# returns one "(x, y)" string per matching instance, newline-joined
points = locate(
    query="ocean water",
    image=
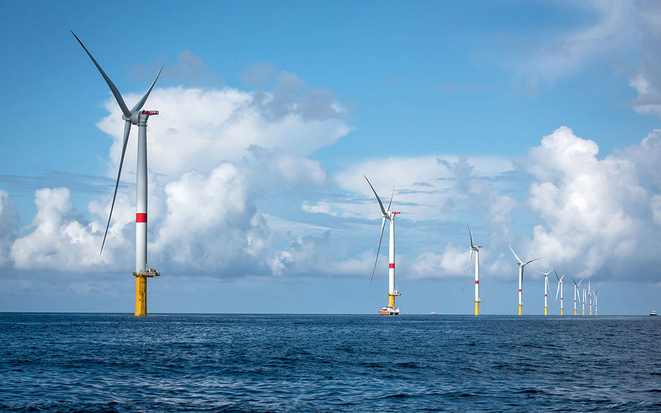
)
(328, 363)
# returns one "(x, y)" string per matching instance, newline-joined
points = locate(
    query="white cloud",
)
(61, 240)
(423, 185)
(313, 255)
(592, 211)
(8, 218)
(198, 128)
(612, 33)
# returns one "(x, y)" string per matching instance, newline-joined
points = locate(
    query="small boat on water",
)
(653, 313)
(389, 311)
(432, 313)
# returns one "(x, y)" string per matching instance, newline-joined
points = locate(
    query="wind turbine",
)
(392, 291)
(596, 311)
(476, 250)
(546, 290)
(135, 116)
(560, 290)
(576, 294)
(521, 265)
(590, 295)
(584, 301)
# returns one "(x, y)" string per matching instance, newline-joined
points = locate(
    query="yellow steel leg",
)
(583, 312)
(477, 308)
(391, 301)
(520, 312)
(546, 311)
(140, 296)
(562, 311)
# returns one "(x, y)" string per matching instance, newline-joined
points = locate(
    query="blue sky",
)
(533, 121)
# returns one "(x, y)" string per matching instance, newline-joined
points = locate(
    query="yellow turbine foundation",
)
(140, 296)
(477, 308)
(562, 311)
(391, 301)
(583, 312)
(546, 311)
(520, 307)
(574, 312)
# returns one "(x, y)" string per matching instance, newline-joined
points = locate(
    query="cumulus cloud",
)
(8, 219)
(313, 255)
(61, 239)
(593, 211)
(213, 154)
(287, 169)
(210, 222)
(198, 128)
(451, 263)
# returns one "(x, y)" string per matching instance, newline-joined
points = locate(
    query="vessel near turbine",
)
(139, 117)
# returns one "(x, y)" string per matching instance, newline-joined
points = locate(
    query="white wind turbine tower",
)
(596, 310)
(590, 295)
(521, 265)
(476, 250)
(584, 301)
(546, 290)
(392, 291)
(134, 116)
(576, 293)
(560, 291)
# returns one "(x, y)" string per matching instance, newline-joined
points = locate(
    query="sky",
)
(536, 123)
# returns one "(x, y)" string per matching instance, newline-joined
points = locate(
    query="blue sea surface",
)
(328, 363)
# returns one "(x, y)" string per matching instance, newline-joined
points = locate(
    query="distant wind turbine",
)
(590, 295)
(521, 265)
(392, 291)
(135, 116)
(584, 301)
(476, 250)
(546, 290)
(560, 290)
(576, 293)
(596, 310)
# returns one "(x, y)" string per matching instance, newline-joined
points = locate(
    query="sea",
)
(328, 363)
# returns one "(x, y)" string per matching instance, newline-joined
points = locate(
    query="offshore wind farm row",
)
(137, 116)
(391, 309)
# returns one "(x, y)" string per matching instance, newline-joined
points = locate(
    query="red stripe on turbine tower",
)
(141, 217)
(392, 265)
(477, 282)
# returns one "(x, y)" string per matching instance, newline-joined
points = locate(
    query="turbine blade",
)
(528, 262)
(517, 257)
(557, 292)
(470, 235)
(470, 259)
(127, 130)
(556, 274)
(142, 101)
(383, 226)
(113, 88)
(377, 198)
(579, 283)
(391, 195)
(572, 278)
